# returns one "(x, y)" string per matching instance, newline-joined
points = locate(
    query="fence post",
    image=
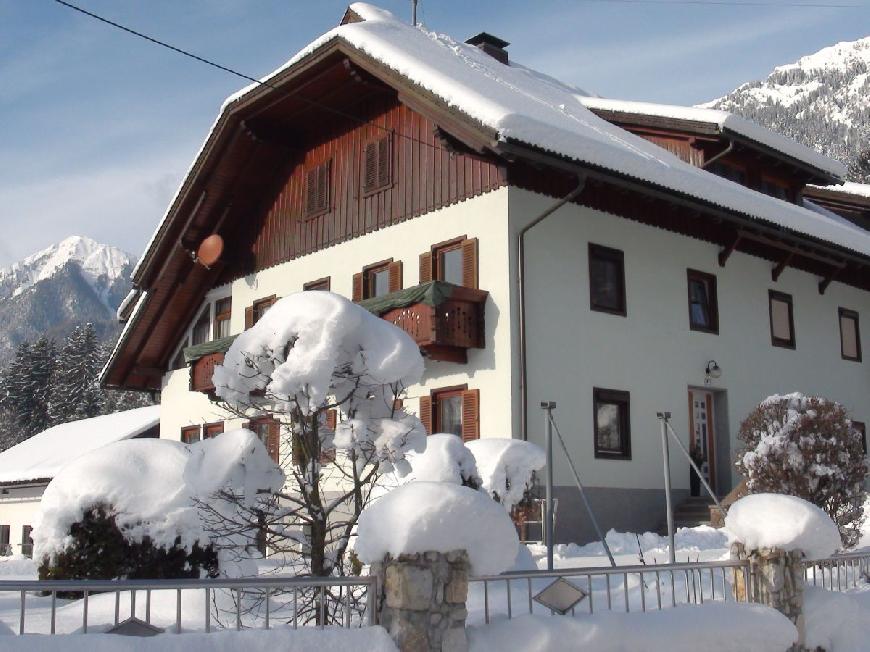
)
(422, 599)
(776, 579)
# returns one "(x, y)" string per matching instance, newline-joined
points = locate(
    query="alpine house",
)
(538, 246)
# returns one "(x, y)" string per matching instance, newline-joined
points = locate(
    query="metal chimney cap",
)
(485, 38)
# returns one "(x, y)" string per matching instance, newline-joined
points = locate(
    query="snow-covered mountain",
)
(821, 100)
(77, 280)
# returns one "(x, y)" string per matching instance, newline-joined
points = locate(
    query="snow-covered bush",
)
(329, 375)
(441, 517)
(806, 446)
(507, 467)
(139, 508)
(446, 459)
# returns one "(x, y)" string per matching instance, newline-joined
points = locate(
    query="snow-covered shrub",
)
(329, 376)
(507, 467)
(138, 508)
(806, 446)
(446, 459)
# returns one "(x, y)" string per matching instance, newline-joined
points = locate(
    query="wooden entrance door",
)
(701, 420)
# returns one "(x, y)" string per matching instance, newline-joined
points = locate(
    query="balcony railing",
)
(444, 319)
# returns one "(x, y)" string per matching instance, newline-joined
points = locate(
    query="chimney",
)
(492, 45)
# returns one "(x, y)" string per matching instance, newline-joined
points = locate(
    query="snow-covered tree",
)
(806, 446)
(327, 375)
(76, 391)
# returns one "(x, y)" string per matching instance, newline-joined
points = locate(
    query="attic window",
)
(377, 168)
(317, 190)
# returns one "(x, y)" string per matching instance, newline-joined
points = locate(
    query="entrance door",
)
(703, 437)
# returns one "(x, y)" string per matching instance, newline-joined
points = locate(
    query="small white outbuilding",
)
(27, 468)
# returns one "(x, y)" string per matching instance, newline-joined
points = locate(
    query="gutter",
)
(723, 153)
(521, 279)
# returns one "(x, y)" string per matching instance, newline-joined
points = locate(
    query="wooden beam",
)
(725, 253)
(780, 266)
(148, 372)
(825, 282)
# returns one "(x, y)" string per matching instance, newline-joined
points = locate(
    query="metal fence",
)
(338, 601)
(595, 589)
(839, 572)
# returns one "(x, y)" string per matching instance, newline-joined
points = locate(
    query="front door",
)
(703, 437)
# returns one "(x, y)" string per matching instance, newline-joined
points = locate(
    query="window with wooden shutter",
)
(454, 261)
(377, 164)
(470, 414)
(268, 431)
(425, 413)
(317, 189)
(377, 279)
(320, 284)
(223, 312)
(210, 430)
(255, 312)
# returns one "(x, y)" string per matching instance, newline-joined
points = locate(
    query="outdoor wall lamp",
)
(712, 371)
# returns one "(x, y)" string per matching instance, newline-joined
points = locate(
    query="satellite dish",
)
(210, 250)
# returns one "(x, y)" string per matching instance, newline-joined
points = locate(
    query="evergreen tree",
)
(76, 391)
(40, 377)
(859, 169)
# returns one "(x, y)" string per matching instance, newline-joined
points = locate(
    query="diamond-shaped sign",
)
(560, 596)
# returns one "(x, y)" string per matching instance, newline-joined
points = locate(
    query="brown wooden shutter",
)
(273, 440)
(323, 186)
(370, 170)
(311, 191)
(249, 317)
(298, 453)
(357, 286)
(470, 414)
(385, 156)
(327, 456)
(426, 267)
(469, 263)
(395, 270)
(425, 414)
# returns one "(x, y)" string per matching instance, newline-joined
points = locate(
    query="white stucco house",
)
(619, 259)
(28, 467)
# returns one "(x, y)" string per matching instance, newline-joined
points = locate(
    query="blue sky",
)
(97, 127)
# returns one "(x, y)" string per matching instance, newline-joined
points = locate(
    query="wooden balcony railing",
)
(445, 320)
(201, 372)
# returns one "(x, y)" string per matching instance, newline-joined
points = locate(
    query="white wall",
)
(484, 217)
(652, 352)
(19, 506)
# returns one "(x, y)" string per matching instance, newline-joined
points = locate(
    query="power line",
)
(734, 3)
(259, 82)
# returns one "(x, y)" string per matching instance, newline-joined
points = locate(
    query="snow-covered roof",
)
(861, 190)
(524, 106)
(724, 122)
(44, 454)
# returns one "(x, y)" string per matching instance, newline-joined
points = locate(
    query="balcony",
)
(202, 359)
(445, 320)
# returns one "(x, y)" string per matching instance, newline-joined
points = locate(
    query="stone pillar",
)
(422, 600)
(776, 580)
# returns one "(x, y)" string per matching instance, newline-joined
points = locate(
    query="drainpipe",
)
(724, 152)
(521, 277)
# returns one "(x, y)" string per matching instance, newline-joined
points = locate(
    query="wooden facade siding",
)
(424, 176)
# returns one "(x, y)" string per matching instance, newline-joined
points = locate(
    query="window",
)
(5, 541)
(317, 191)
(607, 280)
(190, 434)
(774, 189)
(178, 361)
(319, 284)
(860, 427)
(26, 541)
(377, 280)
(255, 312)
(781, 320)
(267, 430)
(612, 424)
(223, 311)
(850, 335)
(200, 331)
(703, 303)
(377, 168)
(729, 172)
(210, 430)
(454, 261)
(453, 410)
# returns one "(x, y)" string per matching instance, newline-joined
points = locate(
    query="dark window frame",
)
(622, 399)
(185, 439)
(442, 248)
(845, 313)
(601, 252)
(775, 295)
(712, 297)
(322, 284)
(261, 306)
(369, 270)
(206, 427)
(202, 322)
